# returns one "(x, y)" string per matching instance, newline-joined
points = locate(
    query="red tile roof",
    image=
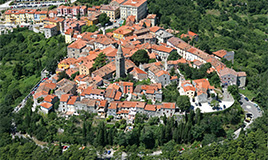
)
(220, 53)
(64, 97)
(49, 98)
(150, 107)
(46, 105)
(78, 44)
(72, 100)
(134, 3)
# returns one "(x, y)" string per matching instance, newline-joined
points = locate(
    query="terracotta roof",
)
(138, 71)
(132, 104)
(241, 74)
(72, 100)
(151, 16)
(50, 26)
(124, 30)
(103, 103)
(173, 78)
(135, 3)
(226, 71)
(49, 98)
(155, 29)
(109, 7)
(192, 33)
(119, 1)
(162, 48)
(220, 53)
(123, 112)
(188, 88)
(110, 93)
(78, 44)
(118, 96)
(113, 105)
(162, 72)
(167, 105)
(150, 107)
(64, 97)
(41, 12)
(46, 105)
(38, 94)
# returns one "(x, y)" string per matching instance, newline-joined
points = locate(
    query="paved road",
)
(250, 107)
(5, 5)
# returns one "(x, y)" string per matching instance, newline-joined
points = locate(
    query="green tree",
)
(140, 57)
(100, 61)
(174, 56)
(103, 19)
(183, 102)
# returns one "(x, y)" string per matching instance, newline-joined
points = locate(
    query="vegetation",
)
(23, 55)
(140, 57)
(100, 61)
(104, 19)
(174, 56)
(91, 28)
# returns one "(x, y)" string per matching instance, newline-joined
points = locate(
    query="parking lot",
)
(37, 4)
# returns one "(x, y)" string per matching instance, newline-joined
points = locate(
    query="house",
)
(86, 68)
(101, 42)
(50, 30)
(241, 81)
(92, 93)
(162, 51)
(70, 104)
(228, 76)
(63, 102)
(59, 22)
(187, 89)
(65, 87)
(126, 87)
(39, 16)
(68, 35)
(112, 108)
(52, 13)
(138, 8)
(86, 104)
(152, 92)
(191, 35)
(139, 74)
(75, 49)
(157, 75)
(46, 107)
(179, 44)
(112, 11)
(102, 108)
(203, 89)
(174, 79)
(224, 54)
(162, 36)
(83, 10)
(174, 64)
(152, 18)
(150, 110)
(197, 64)
(112, 94)
(166, 108)
(122, 32)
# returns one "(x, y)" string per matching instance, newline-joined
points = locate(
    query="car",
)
(224, 106)
(248, 117)
(199, 104)
(196, 104)
(246, 98)
(109, 152)
(219, 100)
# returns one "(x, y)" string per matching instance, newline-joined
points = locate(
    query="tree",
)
(103, 19)
(214, 103)
(51, 65)
(91, 28)
(63, 75)
(100, 61)
(233, 89)
(140, 57)
(174, 56)
(183, 102)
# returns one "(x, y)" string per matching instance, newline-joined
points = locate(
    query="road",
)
(250, 107)
(5, 5)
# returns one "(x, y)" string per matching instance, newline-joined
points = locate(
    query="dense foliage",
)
(140, 57)
(23, 55)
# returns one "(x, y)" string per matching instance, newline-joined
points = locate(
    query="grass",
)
(247, 93)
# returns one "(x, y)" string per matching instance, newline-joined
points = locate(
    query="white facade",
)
(128, 10)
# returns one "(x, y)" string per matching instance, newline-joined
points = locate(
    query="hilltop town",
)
(102, 75)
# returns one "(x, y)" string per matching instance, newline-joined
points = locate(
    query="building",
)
(123, 32)
(187, 89)
(139, 74)
(191, 35)
(241, 81)
(162, 36)
(85, 68)
(152, 18)
(224, 54)
(120, 63)
(50, 30)
(152, 92)
(228, 76)
(39, 16)
(162, 51)
(112, 11)
(75, 49)
(138, 8)
(59, 22)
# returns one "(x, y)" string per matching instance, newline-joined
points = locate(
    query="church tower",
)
(120, 63)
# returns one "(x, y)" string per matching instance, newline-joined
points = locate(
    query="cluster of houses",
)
(94, 89)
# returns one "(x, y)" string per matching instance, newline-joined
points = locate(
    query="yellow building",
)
(112, 11)
(68, 35)
(122, 32)
(8, 17)
(39, 16)
(85, 68)
(19, 16)
(30, 15)
(57, 21)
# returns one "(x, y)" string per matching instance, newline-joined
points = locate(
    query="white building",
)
(138, 8)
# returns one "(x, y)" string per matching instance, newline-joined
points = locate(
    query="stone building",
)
(138, 8)
(120, 63)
